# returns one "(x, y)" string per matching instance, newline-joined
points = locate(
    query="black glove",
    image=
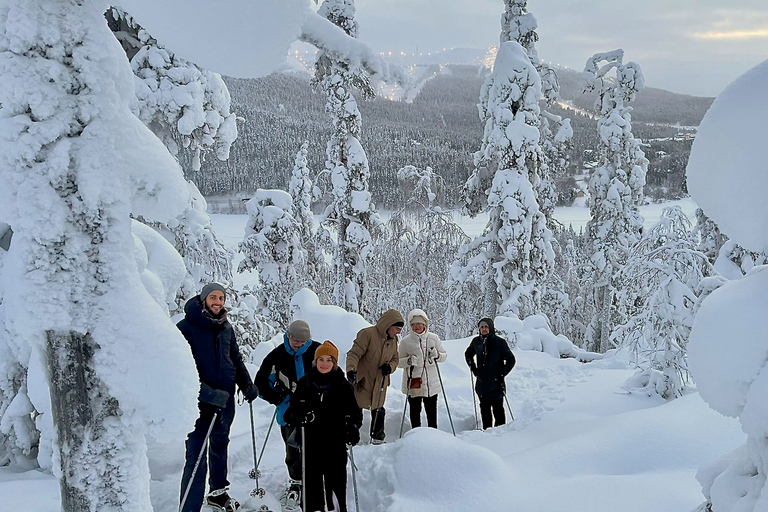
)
(385, 369)
(352, 376)
(502, 384)
(473, 369)
(215, 397)
(353, 434)
(251, 393)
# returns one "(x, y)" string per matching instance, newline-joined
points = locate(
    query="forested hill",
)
(440, 129)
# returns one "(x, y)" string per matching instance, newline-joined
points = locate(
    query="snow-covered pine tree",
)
(710, 238)
(185, 106)
(301, 189)
(74, 163)
(661, 279)
(272, 246)
(616, 187)
(351, 214)
(516, 244)
(411, 259)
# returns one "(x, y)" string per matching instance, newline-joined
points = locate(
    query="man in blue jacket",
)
(220, 367)
(276, 379)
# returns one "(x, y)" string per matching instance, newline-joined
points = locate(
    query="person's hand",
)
(411, 361)
(473, 369)
(352, 377)
(433, 354)
(385, 369)
(353, 434)
(503, 384)
(251, 393)
(215, 397)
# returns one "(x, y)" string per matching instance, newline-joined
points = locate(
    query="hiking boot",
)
(220, 501)
(377, 441)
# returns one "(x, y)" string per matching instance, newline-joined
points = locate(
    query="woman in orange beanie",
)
(324, 404)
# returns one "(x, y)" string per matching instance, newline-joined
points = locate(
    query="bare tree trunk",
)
(101, 459)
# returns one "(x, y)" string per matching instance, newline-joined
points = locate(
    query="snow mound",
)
(727, 175)
(432, 471)
(534, 333)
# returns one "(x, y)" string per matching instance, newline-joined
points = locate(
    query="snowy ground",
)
(578, 441)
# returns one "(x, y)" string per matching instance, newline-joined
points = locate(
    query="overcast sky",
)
(689, 46)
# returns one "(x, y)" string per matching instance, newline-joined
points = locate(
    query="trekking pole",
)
(354, 476)
(512, 416)
(303, 469)
(199, 458)
(445, 397)
(254, 473)
(405, 405)
(264, 446)
(474, 398)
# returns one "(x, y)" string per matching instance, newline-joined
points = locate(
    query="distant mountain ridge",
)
(440, 128)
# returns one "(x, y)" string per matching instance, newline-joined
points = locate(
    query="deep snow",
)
(578, 441)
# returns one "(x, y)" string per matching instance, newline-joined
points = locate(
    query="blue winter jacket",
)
(214, 349)
(280, 372)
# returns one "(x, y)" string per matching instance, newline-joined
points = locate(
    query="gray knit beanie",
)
(299, 330)
(211, 287)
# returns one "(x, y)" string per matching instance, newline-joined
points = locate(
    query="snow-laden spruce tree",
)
(301, 189)
(74, 163)
(710, 238)
(515, 248)
(411, 258)
(661, 283)
(517, 24)
(351, 214)
(616, 187)
(272, 246)
(185, 106)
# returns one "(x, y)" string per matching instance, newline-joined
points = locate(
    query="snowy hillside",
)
(578, 442)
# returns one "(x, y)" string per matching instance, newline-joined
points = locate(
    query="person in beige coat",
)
(420, 351)
(370, 361)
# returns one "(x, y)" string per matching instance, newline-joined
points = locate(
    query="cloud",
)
(732, 34)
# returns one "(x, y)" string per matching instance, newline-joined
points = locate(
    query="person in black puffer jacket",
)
(324, 404)
(220, 368)
(494, 361)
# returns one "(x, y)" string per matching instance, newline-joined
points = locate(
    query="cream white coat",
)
(415, 349)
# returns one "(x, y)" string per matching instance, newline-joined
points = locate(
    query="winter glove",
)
(385, 369)
(353, 434)
(411, 361)
(251, 393)
(215, 397)
(433, 355)
(503, 384)
(473, 369)
(352, 377)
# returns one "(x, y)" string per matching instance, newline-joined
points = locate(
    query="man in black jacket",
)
(220, 367)
(494, 361)
(277, 378)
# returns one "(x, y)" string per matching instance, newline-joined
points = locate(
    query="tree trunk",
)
(103, 461)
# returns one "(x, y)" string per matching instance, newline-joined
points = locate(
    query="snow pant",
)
(326, 475)
(490, 409)
(218, 445)
(430, 406)
(377, 423)
(292, 454)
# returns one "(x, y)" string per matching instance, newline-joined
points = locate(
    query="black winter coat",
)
(494, 361)
(331, 399)
(214, 348)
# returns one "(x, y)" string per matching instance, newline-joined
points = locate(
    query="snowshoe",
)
(261, 501)
(292, 495)
(220, 501)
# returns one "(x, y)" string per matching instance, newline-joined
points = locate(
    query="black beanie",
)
(211, 287)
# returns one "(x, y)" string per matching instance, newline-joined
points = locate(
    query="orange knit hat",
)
(327, 349)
